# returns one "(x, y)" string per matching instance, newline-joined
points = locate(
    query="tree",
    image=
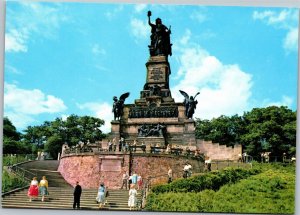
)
(11, 139)
(54, 145)
(223, 130)
(55, 133)
(9, 130)
(271, 129)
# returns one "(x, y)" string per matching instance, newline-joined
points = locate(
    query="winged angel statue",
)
(190, 104)
(119, 105)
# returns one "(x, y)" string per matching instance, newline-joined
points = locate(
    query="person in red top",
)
(33, 191)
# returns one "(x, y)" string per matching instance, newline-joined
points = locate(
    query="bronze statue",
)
(190, 104)
(160, 38)
(119, 105)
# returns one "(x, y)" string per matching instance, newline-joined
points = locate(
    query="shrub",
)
(213, 181)
(10, 182)
(270, 191)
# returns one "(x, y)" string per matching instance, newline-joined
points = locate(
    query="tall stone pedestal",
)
(156, 106)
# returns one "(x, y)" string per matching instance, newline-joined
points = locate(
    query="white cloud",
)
(11, 69)
(97, 50)
(185, 39)
(34, 19)
(20, 120)
(113, 13)
(139, 28)
(286, 19)
(199, 16)
(15, 41)
(22, 105)
(224, 89)
(100, 110)
(140, 7)
(291, 40)
(285, 101)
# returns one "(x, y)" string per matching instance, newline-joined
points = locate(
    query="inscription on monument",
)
(111, 165)
(156, 74)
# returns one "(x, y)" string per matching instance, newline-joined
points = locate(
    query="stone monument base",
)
(151, 141)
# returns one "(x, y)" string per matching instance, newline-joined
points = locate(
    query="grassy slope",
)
(272, 191)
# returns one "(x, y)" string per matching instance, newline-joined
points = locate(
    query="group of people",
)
(123, 146)
(133, 182)
(38, 188)
(100, 198)
(128, 180)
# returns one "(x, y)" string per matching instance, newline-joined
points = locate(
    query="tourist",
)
(157, 146)
(125, 178)
(42, 155)
(134, 178)
(114, 145)
(208, 164)
(109, 146)
(132, 200)
(293, 159)
(187, 170)
(244, 156)
(143, 147)
(33, 191)
(126, 147)
(134, 145)
(170, 175)
(77, 194)
(140, 182)
(130, 180)
(168, 150)
(43, 188)
(120, 145)
(101, 195)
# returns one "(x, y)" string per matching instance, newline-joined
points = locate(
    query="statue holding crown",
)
(160, 38)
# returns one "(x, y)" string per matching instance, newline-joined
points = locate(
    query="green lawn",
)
(270, 191)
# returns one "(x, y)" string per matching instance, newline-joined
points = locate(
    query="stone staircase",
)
(62, 198)
(61, 193)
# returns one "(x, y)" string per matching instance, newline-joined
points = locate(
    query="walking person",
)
(170, 175)
(134, 178)
(125, 178)
(77, 194)
(208, 163)
(33, 191)
(140, 182)
(132, 200)
(43, 188)
(101, 195)
(129, 181)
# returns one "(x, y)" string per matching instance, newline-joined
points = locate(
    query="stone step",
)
(62, 198)
(61, 193)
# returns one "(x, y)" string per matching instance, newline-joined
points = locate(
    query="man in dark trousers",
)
(77, 194)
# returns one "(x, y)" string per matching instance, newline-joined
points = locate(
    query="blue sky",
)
(72, 58)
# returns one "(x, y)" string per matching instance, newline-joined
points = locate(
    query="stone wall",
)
(93, 168)
(157, 166)
(219, 152)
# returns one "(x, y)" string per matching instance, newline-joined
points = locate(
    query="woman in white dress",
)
(132, 200)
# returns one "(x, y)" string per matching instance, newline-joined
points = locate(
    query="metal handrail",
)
(23, 172)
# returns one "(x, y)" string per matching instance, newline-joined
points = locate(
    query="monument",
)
(155, 123)
(155, 118)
